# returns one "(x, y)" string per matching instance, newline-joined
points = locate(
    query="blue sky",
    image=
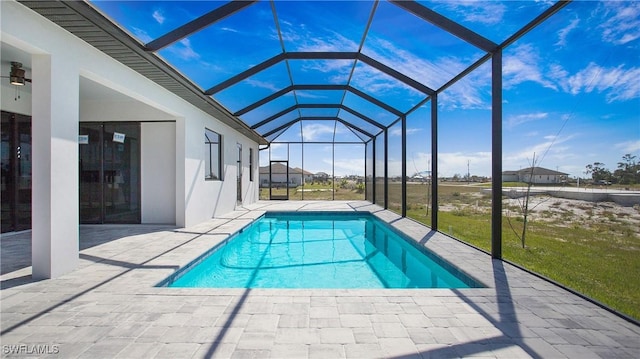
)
(571, 87)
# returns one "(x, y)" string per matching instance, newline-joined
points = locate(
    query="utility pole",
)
(468, 173)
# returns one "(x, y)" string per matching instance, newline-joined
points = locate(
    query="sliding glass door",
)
(110, 172)
(16, 172)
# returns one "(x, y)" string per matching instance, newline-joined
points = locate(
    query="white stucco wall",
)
(158, 172)
(196, 199)
(59, 59)
(542, 179)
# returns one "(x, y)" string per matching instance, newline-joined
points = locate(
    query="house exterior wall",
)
(294, 178)
(157, 150)
(510, 178)
(542, 179)
(158, 172)
(59, 59)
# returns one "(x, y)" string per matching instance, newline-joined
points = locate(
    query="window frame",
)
(251, 159)
(209, 160)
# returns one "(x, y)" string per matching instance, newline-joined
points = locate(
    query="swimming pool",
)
(319, 250)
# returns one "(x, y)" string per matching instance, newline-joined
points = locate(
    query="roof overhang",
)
(90, 25)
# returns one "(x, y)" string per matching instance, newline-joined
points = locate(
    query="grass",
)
(600, 260)
(315, 192)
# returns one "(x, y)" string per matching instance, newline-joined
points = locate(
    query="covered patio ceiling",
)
(282, 67)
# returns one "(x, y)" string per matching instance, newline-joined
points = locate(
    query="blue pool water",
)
(319, 250)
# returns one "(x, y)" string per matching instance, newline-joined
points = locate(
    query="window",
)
(213, 155)
(251, 164)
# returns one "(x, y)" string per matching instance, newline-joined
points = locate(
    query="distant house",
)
(279, 174)
(511, 176)
(540, 175)
(306, 175)
(321, 177)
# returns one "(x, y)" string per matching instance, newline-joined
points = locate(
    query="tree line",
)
(628, 171)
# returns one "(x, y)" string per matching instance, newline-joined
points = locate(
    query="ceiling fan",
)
(16, 76)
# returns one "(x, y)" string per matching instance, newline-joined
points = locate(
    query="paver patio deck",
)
(109, 306)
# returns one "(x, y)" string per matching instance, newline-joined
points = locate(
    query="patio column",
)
(496, 154)
(55, 208)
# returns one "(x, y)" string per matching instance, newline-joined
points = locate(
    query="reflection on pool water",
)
(319, 250)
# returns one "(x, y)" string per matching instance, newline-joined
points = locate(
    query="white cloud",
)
(629, 146)
(376, 82)
(349, 166)
(307, 94)
(451, 163)
(142, 35)
(332, 43)
(620, 84)
(276, 151)
(483, 12)
(313, 131)
(524, 63)
(298, 38)
(467, 93)
(397, 131)
(422, 70)
(513, 121)
(261, 84)
(471, 92)
(228, 29)
(183, 50)
(550, 148)
(340, 69)
(557, 73)
(563, 33)
(623, 21)
(521, 64)
(158, 16)
(488, 13)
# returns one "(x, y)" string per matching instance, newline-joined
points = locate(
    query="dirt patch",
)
(557, 211)
(569, 213)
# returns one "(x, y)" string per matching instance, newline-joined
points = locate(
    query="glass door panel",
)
(121, 173)
(110, 172)
(8, 187)
(90, 172)
(23, 172)
(16, 172)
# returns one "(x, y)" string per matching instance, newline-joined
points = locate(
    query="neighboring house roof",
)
(300, 170)
(278, 168)
(537, 171)
(322, 174)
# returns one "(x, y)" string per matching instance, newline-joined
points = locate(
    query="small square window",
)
(212, 155)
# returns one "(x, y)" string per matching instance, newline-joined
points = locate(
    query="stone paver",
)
(111, 306)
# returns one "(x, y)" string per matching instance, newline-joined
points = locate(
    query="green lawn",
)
(601, 265)
(316, 191)
(601, 261)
